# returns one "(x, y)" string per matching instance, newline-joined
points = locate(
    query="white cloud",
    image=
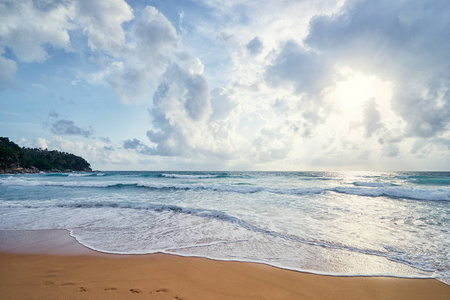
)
(180, 109)
(102, 20)
(27, 26)
(136, 67)
(41, 143)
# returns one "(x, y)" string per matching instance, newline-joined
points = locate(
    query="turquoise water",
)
(338, 223)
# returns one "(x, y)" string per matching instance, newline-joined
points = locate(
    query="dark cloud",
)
(255, 46)
(224, 37)
(53, 114)
(138, 146)
(154, 31)
(306, 71)
(67, 127)
(391, 150)
(105, 139)
(372, 118)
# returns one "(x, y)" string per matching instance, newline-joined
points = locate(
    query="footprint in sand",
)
(110, 289)
(163, 290)
(135, 291)
(82, 289)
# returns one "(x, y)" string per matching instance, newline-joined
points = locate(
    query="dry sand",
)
(51, 265)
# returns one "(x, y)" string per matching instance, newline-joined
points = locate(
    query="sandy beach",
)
(52, 265)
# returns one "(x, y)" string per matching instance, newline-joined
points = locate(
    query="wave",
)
(74, 174)
(371, 184)
(431, 181)
(189, 176)
(56, 174)
(398, 192)
(79, 175)
(368, 189)
(224, 217)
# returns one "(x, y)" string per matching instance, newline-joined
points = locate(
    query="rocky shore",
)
(34, 170)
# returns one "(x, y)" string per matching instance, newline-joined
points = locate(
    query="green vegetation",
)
(14, 159)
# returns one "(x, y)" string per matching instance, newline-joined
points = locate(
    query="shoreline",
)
(50, 264)
(62, 242)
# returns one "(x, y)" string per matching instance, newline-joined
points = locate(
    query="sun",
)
(354, 89)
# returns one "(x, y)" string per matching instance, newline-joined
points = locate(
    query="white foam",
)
(187, 176)
(18, 181)
(79, 174)
(371, 184)
(442, 194)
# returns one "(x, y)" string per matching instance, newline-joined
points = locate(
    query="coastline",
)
(49, 264)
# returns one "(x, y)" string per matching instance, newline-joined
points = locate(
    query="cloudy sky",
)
(229, 84)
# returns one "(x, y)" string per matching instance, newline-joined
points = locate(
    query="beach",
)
(49, 264)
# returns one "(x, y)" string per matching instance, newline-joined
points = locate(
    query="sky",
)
(229, 84)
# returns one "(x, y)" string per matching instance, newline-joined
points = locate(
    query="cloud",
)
(275, 143)
(102, 20)
(391, 150)
(405, 42)
(25, 34)
(67, 127)
(138, 146)
(53, 114)
(154, 32)
(39, 142)
(180, 108)
(304, 70)
(32, 29)
(372, 118)
(105, 140)
(255, 46)
(136, 69)
(97, 153)
(221, 104)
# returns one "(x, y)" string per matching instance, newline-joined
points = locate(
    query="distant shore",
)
(20, 160)
(49, 264)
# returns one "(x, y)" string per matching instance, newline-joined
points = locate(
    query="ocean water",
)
(336, 223)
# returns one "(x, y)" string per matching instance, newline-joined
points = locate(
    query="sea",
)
(334, 223)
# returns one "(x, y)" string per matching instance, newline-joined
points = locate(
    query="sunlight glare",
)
(351, 93)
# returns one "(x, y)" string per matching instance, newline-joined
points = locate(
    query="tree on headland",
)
(15, 159)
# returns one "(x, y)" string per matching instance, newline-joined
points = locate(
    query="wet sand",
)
(52, 265)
